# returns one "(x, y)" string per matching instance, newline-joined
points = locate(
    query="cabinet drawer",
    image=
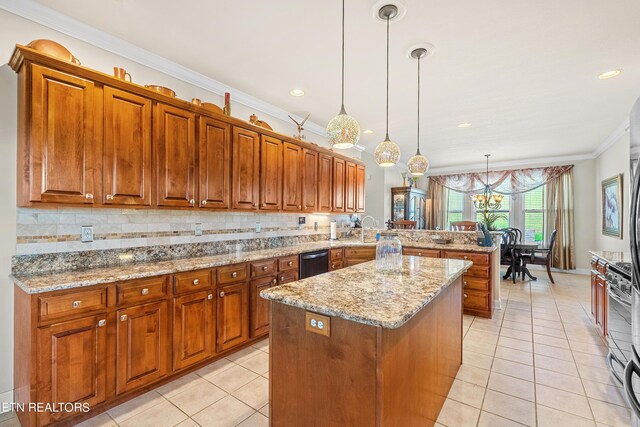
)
(287, 276)
(263, 268)
(476, 300)
(601, 268)
(431, 253)
(475, 258)
(191, 281)
(288, 263)
(141, 290)
(475, 283)
(478, 271)
(335, 265)
(336, 254)
(232, 273)
(57, 306)
(364, 252)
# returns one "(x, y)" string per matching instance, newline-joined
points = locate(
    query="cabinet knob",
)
(305, 206)
(255, 205)
(263, 204)
(333, 266)
(265, 268)
(76, 304)
(282, 278)
(234, 274)
(221, 294)
(465, 295)
(274, 281)
(109, 196)
(465, 283)
(102, 322)
(290, 263)
(419, 253)
(203, 203)
(210, 297)
(299, 207)
(123, 317)
(88, 196)
(192, 202)
(145, 291)
(466, 257)
(196, 282)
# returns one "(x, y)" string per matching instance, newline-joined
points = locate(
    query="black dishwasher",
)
(313, 263)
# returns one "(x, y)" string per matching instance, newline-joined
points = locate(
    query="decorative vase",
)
(227, 104)
(389, 253)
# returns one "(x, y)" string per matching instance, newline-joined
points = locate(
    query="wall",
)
(613, 161)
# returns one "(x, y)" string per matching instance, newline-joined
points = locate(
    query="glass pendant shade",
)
(343, 131)
(387, 153)
(418, 165)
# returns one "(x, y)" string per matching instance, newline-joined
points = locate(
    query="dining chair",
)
(509, 256)
(543, 256)
(515, 230)
(404, 224)
(464, 226)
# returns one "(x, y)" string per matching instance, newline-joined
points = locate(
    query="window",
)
(455, 207)
(504, 219)
(534, 213)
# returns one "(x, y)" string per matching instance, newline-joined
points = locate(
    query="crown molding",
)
(612, 138)
(475, 167)
(64, 24)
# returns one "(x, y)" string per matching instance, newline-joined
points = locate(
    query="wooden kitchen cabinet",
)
(309, 180)
(142, 335)
(350, 187)
(193, 328)
(325, 182)
(175, 143)
(292, 184)
(72, 364)
(260, 307)
(127, 149)
(360, 182)
(60, 131)
(232, 316)
(245, 169)
(599, 294)
(476, 281)
(339, 170)
(270, 173)
(358, 255)
(594, 295)
(214, 164)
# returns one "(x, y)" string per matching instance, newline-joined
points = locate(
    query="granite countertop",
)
(612, 257)
(34, 284)
(360, 294)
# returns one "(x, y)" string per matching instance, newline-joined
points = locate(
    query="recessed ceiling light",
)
(296, 92)
(610, 74)
(464, 125)
(368, 132)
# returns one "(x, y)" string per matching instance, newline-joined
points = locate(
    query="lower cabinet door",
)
(72, 364)
(594, 296)
(193, 328)
(260, 307)
(232, 315)
(142, 345)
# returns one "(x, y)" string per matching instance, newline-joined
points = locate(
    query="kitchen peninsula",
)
(355, 347)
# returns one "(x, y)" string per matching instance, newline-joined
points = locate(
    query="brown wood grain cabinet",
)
(245, 169)
(61, 134)
(142, 337)
(361, 177)
(232, 315)
(127, 176)
(260, 307)
(478, 292)
(310, 182)
(193, 328)
(270, 173)
(350, 187)
(214, 164)
(175, 145)
(325, 182)
(339, 170)
(292, 184)
(599, 294)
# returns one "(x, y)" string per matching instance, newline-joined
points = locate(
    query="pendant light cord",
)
(342, 111)
(418, 150)
(387, 138)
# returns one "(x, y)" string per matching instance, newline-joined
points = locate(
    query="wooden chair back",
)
(464, 226)
(404, 224)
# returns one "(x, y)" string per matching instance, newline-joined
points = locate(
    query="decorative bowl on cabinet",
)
(54, 49)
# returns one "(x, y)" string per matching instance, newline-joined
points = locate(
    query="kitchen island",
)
(358, 348)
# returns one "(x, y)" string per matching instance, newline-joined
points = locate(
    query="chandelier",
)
(487, 200)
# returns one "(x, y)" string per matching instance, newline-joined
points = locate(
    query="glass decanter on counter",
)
(389, 253)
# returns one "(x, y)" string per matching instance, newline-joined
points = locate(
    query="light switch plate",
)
(86, 233)
(317, 323)
(198, 229)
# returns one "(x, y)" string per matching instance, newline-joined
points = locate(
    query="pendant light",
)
(343, 130)
(387, 152)
(418, 164)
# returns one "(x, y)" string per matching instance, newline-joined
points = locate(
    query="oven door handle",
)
(629, 370)
(613, 294)
(610, 359)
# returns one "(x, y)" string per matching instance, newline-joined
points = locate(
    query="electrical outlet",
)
(198, 229)
(258, 227)
(315, 226)
(318, 323)
(302, 220)
(86, 233)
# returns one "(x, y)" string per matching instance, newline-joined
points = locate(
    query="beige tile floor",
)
(539, 361)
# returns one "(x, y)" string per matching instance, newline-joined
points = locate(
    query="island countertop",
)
(360, 294)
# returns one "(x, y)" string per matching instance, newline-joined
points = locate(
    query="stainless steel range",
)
(619, 302)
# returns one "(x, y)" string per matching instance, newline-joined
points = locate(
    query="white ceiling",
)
(522, 72)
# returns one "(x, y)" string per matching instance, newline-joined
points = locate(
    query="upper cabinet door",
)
(127, 149)
(175, 156)
(292, 185)
(339, 167)
(309, 180)
(215, 164)
(270, 173)
(245, 172)
(360, 180)
(325, 180)
(350, 188)
(63, 132)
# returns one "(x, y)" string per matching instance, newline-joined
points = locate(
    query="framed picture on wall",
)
(612, 206)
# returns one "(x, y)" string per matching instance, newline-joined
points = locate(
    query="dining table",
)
(523, 250)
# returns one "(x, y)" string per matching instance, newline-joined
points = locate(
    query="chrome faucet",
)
(375, 224)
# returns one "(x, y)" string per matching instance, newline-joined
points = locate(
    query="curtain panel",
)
(559, 216)
(438, 209)
(504, 182)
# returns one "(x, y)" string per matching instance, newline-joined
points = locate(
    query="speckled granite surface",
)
(360, 294)
(37, 283)
(612, 257)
